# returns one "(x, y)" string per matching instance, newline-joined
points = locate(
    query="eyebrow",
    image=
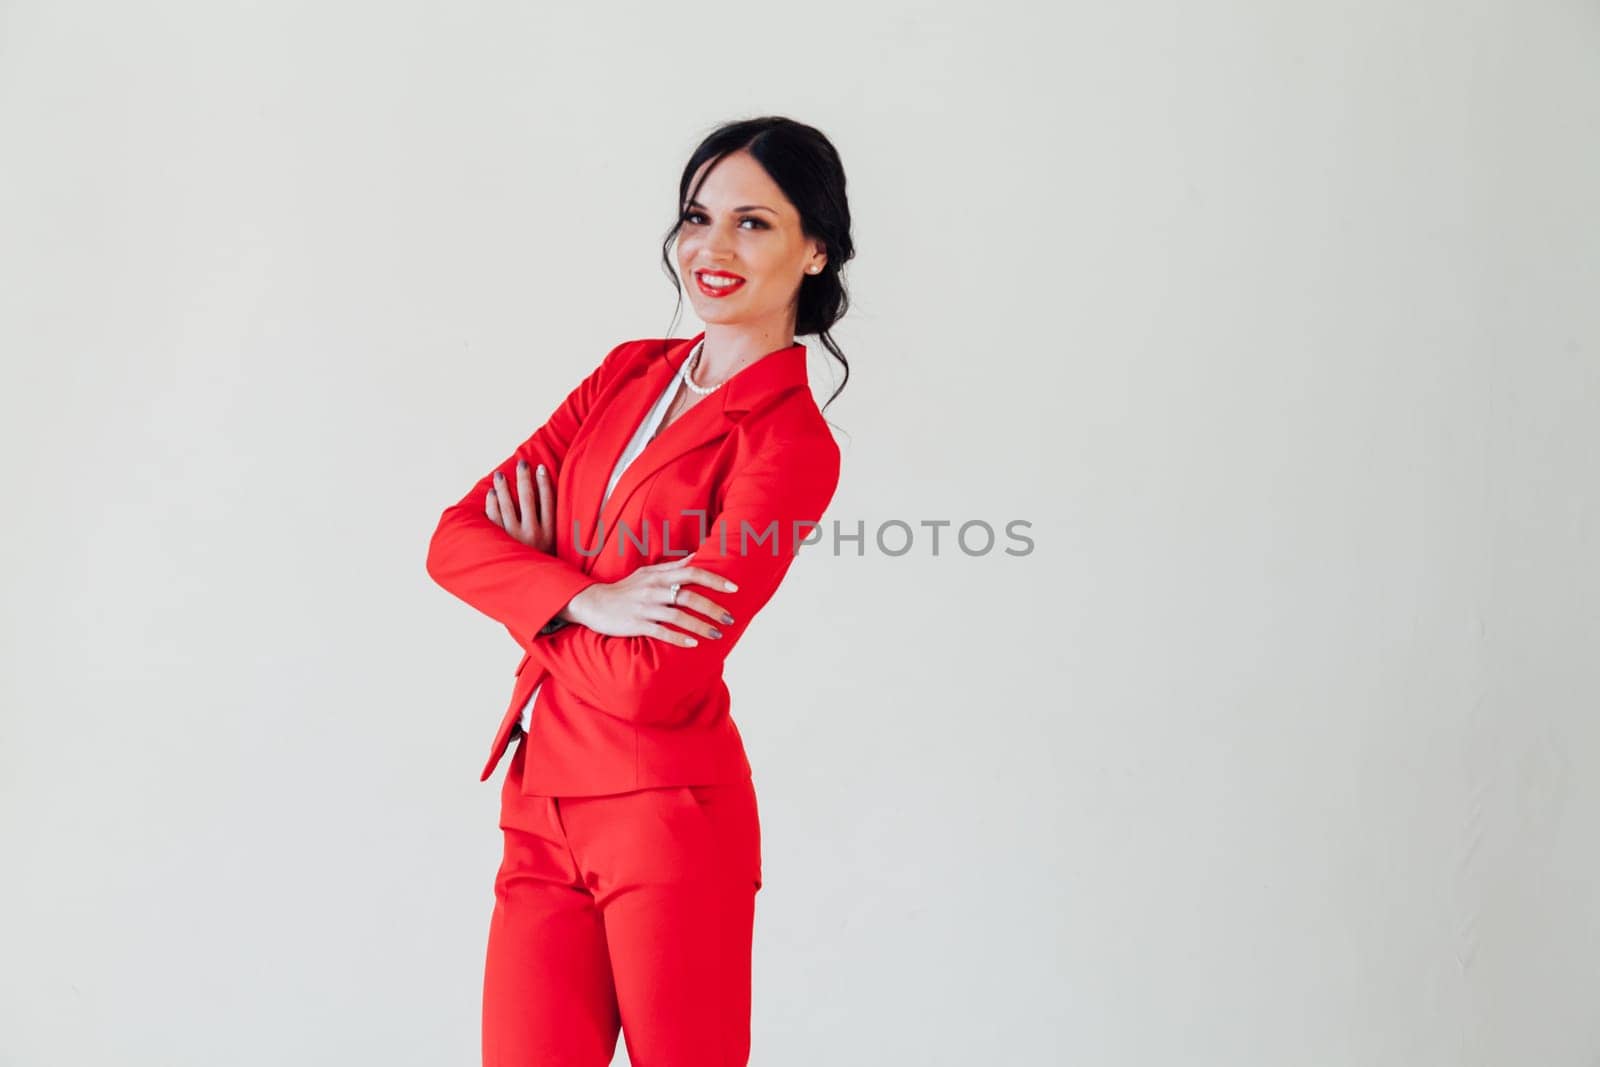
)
(745, 207)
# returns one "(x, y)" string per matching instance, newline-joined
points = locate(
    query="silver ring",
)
(674, 598)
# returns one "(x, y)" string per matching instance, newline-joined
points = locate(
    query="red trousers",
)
(631, 910)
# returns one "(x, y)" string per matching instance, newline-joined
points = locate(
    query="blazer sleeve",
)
(778, 496)
(475, 559)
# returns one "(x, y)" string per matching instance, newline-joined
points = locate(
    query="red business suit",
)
(632, 784)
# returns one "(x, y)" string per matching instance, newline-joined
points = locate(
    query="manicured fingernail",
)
(499, 477)
(729, 586)
(692, 641)
(715, 632)
(726, 617)
(541, 470)
(522, 464)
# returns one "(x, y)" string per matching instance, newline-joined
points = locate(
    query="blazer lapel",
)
(766, 379)
(613, 427)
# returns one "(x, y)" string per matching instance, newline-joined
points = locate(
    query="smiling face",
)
(741, 251)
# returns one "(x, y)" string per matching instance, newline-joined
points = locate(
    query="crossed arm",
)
(770, 505)
(474, 558)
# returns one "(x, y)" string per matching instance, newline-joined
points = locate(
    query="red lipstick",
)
(734, 282)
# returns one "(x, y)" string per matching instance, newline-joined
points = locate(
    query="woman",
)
(625, 546)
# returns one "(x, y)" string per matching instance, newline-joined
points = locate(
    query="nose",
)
(719, 243)
(718, 249)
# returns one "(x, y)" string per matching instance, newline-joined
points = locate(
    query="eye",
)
(696, 218)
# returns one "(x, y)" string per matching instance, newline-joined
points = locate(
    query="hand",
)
(640, 603)
(532, 520)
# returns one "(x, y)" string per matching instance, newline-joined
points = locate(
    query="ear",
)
(819, 256)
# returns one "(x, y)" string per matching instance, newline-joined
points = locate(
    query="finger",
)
(525, 497)
(665, 613)
(701, 576)
(704, 605)
(547, 505)
(671, 636)
(491, 507)
(694, 624)
(508, 511)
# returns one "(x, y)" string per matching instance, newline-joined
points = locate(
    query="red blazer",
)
(621, 713)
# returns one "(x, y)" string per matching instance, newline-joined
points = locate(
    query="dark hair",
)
(805, 165)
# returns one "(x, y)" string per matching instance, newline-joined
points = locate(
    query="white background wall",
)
(1275, 320)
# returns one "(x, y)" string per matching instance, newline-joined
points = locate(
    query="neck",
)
(729, 348)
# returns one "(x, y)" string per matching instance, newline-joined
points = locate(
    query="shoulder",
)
(624, 360)
(788, 441)
(792, 422)
(637, 352)
(643, 350)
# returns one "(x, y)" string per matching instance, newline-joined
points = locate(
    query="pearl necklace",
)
(688, 375)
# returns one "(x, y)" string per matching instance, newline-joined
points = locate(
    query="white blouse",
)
(641, 437)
